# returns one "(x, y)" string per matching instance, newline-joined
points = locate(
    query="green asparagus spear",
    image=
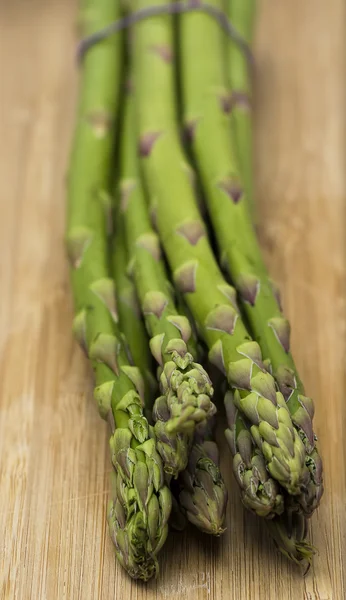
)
(130, 318)
(196, 273)
(203, 493)
(203, 92)
(141, 502)
(242, 16)
(289, 532)
(259, 492)
(136, 336)
(287, 525)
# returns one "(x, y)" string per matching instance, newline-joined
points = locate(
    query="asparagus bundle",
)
(141, 504)
(195, 270)
(275, 458)
(214, 149)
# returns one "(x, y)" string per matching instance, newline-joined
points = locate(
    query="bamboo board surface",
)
(54, 469)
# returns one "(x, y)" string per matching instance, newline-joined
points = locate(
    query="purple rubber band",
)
(173, 8)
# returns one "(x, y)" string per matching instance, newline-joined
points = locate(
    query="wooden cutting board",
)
(54, 469)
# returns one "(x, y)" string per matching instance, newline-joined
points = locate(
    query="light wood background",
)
(54, 467)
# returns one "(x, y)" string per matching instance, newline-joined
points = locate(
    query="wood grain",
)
(54, 472)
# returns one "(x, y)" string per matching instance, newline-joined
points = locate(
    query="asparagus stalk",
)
(204, 91)
(130, 318)
(196, 346)
(137, 337)
(131, 325)
(286, 523)
(242, 16)
(186, 387)
(196, 273)
(203, 494)
(141, 503)
(289, 532)
(259, 493)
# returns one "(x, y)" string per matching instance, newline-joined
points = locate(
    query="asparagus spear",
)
(289, 532)
(203, 494)
(200, 495)
(196, 273)
(242, 16)
(141, 503)
(203, 94)
(259, 493)
(130, 318)
(286, 523)
(131, 325)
